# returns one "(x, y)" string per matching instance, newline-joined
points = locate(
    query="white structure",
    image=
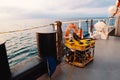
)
(101, 31)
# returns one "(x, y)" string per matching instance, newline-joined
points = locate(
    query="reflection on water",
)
(22, 45)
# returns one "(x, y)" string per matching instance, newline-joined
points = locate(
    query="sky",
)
(32, 9)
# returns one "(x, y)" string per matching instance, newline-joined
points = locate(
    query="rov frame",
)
(79, 52)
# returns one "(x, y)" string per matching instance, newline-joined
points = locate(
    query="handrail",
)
(66, 22)
(23, 29)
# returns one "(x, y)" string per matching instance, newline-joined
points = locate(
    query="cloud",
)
(53, 8)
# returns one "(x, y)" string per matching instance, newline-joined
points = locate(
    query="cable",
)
(23, 29)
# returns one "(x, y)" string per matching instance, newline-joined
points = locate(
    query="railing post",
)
(91, 25)
(53, 26)
(5, 73)
(87, 24)
(60, 52)
(117, 26)
(80, 31)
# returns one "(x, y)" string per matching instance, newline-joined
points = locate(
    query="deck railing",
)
(86, 24)
(106, 20)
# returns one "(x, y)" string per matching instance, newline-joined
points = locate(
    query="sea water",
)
(22, 45)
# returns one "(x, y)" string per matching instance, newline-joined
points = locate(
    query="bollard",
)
(5, 73)
(46, 43)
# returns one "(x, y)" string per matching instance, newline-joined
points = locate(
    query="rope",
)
(23, 29)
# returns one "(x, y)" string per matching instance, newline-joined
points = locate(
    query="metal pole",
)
(60, 52)
(80, 30)
(117, 26)
(87, 24)
(91, 26)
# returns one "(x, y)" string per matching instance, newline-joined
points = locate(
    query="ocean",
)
(22, 45)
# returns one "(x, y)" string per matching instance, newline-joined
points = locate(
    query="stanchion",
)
(59, 40)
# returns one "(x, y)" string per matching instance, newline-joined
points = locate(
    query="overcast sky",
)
(21, 9)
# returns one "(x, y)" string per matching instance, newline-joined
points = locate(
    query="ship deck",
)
(105, 66)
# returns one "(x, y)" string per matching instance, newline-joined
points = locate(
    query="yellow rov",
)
(79, 52)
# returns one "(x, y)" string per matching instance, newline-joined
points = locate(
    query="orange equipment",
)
(71, 26)
(81, 33)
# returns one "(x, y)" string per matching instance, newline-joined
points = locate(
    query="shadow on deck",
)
(112, 33)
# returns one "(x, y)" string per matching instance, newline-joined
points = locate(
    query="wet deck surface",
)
(105, 66)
